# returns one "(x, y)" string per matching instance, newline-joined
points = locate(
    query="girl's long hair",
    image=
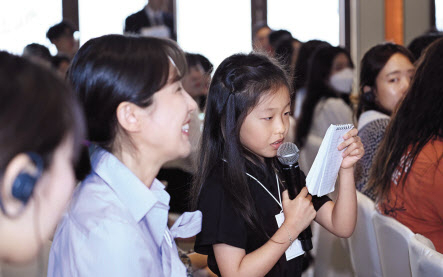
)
(317, 87)
(236, 88)
(418, 119)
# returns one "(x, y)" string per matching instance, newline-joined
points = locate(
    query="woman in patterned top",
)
(386, 70)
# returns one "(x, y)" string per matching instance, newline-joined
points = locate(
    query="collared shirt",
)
(116, 226)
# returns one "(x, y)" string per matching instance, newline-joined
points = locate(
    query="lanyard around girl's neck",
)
(278, 187)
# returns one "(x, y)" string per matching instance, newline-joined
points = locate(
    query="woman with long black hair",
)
(407, 172)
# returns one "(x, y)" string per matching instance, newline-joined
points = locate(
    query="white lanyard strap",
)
(278, 187)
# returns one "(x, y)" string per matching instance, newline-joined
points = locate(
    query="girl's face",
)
(393, 81)
(266, 126)
(167, 122)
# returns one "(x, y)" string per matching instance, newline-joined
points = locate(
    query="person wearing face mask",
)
(386, 71)
(329, 82)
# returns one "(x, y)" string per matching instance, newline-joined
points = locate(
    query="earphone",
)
(369, 96)
(24, 183)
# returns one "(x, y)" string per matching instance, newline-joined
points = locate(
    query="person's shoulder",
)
(335, 102)
(433, 150)
(94, 204)
(136, 15)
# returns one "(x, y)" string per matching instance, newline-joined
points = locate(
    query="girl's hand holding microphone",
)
(299, 212)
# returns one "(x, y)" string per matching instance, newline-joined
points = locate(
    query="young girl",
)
(247, 119)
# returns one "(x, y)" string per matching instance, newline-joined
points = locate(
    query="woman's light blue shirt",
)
(116, 226)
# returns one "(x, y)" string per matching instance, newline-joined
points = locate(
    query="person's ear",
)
(369, 94)
(128, 116)
(18, 180)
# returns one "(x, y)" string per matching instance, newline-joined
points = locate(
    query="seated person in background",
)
(37, 154)
(137, 114)
(60, 65)
(329, 77)
(419, 44)
(307, 49)
(38, 54)
(62, 36)
(407, 171)
(275, 37)
(260, 40)
(386, 71)
(152, 20)
(287, 53)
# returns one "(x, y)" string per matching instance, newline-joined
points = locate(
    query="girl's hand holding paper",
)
(354, 150)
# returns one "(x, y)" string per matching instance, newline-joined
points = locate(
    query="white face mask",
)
(342, 80)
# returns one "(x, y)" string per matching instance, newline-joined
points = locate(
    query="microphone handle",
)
(295, 182)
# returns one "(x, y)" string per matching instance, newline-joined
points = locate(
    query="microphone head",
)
(288, 153)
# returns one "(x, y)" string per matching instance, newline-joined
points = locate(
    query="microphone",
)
(288, 155)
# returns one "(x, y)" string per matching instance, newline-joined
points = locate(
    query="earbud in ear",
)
(24, 183)
(369, 96)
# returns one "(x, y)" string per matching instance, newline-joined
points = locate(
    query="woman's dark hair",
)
(418, 119)
(372, 63)
(236, 88)
(301, 67)
(37, 111)
(317, 87)
(109, 70)
(420, 43)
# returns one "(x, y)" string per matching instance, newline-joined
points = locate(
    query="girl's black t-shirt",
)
(222, 224)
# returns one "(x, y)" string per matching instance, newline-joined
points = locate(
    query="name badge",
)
(295, 248)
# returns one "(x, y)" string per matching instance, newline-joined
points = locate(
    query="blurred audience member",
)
(330, 76)
(301, 72)
(420, 43)
(61, 65)
(385, 74)
(38, 54)
(287, 53)
(275, 37)
(41, 128)
(62, 36)
(260, 38)
(407, 172)
(152, 20)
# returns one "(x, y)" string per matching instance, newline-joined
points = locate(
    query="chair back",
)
(425, 261)
(392, 240)
(363, 244)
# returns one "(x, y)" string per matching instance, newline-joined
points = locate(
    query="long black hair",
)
(418, 120)
(317, 87)
(372, 63)
(236, 88)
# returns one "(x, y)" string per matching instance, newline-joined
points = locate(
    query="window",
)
(24, 23)
(439, 14)
(215, 29)
(306, 20)
(103, 17)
